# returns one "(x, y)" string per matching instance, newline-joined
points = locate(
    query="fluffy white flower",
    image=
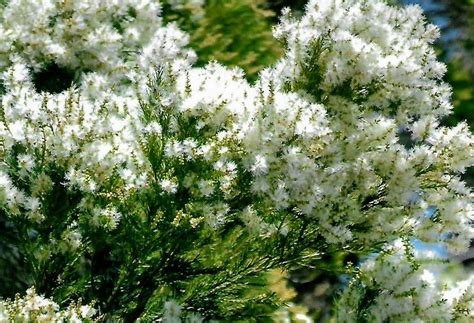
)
(168, 186)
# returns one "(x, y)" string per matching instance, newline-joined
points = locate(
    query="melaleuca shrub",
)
(149, 189)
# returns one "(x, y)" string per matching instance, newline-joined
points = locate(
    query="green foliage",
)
(463, 94)
(233, 32)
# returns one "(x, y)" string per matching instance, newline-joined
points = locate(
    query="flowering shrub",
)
(157, 190)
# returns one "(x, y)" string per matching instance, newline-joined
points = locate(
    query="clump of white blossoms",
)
(93, 129)
(149, 180)
(35, 308)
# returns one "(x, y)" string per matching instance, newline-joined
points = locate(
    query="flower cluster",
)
(93, 132)
(97, 36)
(402, 283)
(35, 308)
(389, 161)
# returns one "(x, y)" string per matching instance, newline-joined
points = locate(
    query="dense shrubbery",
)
(147, 188)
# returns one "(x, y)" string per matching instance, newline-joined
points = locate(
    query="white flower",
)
(168, 186)
(32, 204)
(26, 162)
(206, 187)
(260, 165)
(172, 311)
